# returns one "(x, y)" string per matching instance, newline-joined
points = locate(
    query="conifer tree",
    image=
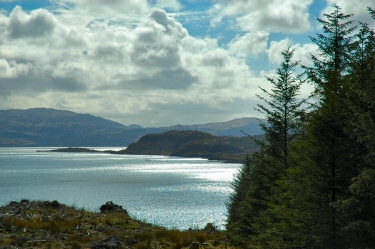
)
(357, 209)
(241, 184)
(316, 191)
(328, 159)
(282, 109)
(335, 45)
(249, 210)
(361, 78)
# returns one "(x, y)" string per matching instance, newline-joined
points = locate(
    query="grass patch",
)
(53, 225)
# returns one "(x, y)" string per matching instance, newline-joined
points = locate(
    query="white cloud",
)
(169, 24)
(147, 68)
(358, 8)
(11, 69)
(285, 16)
(275, 50)
(252, 43)
(38, 23)
(302, 52)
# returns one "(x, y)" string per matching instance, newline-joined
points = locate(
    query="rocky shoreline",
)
(37, 224)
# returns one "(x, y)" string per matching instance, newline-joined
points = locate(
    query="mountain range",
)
(50, 127)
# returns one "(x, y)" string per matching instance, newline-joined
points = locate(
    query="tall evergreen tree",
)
(335, 45)
(317, 191)
(357, 209)
(241, 184)
(249, 216)
(328, 159)
(361, 80)
(282, 109)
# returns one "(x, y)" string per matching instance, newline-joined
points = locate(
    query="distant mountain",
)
(194, 144)
(50, 127)
(229, 128)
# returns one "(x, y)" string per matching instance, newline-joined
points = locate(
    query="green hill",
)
(194, 144)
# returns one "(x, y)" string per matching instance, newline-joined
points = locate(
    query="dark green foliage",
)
(335, 45)
(359, 211)
(316, 190)
(282, 109)
(324, 164)
(357, 208)
(360, 98)
(250, 201)
(250, 212)
(328, 160)
(235, 214)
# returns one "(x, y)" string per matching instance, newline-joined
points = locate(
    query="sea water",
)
(173, 192)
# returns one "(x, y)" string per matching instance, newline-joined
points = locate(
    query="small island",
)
(185, 144)
(76, 150)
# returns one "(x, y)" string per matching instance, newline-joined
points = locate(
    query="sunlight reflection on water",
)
(170, 191)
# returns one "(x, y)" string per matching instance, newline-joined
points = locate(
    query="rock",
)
(111, 207)
(25, 201)
(54, 204)
(108, 243)
(194, 245)
(13, 203)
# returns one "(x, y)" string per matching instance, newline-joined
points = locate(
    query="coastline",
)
(228, 158)
(46, 224)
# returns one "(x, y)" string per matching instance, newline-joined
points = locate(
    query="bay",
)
(173, 192)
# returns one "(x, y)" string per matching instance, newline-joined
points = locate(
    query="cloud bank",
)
(135, 66)
(133, 62)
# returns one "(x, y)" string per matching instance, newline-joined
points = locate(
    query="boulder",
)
(111, 207)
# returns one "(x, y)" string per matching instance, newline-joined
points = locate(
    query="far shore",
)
(124, 152)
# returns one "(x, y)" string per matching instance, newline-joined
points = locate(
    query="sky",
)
(153, 62)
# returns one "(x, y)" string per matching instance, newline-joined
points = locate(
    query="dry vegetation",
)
(29, 224)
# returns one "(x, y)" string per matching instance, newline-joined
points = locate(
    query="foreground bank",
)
(34, 224)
